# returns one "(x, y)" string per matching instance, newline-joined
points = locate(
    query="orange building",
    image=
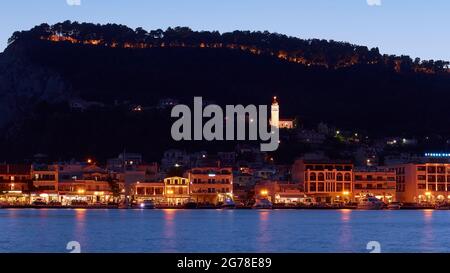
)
(15, 181)
(279, 193)
(326, 181)
(379, 183)
(89, 191)
(148, 191)
(176, 190)
(211, 185)
(422, 182)
(45, 181)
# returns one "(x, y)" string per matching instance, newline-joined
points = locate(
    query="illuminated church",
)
(275, 117)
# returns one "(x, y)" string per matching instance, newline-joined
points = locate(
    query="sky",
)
(419, 28)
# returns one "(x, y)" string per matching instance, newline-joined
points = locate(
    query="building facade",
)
(422, 182)
(374, 182)
(326, 181)
(211, 185)
(176, 190)
(15, 183)
(154, 191)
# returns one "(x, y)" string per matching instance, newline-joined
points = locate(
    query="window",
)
(312, 177)
(321, 187)
(358, 186)
(321, 177)
(421, 168)
(347, 177)
(339, 177)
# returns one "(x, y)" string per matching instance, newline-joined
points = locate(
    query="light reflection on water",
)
(427, 237)
(264, 234)
(345, 236)
(169, 244)
(49, 230)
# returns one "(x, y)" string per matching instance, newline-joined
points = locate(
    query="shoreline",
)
(207, 208)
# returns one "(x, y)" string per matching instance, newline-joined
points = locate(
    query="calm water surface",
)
(47, 230)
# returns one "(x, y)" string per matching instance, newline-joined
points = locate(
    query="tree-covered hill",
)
(44, 69)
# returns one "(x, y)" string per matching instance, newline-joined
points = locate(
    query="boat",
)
(370, 203)
(190, 205)
(442, 206)
(39, 202)
(394, 205)
(262, 204)
(228, 204)
(147, 204)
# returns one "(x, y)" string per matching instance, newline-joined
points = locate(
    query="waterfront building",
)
(45, 182)
(325, 180)
(176, 190)
(87, 182)
(154, 191)
(242, 194)
(377, 182)
(422, 182)
(89, 191)
(279, 192)
(15, 183)
(211, 185)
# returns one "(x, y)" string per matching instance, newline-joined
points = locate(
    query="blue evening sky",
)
(418, 28)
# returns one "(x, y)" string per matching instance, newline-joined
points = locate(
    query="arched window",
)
(312, 177)
(347, 177)
(339, 177)
(321, 177)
